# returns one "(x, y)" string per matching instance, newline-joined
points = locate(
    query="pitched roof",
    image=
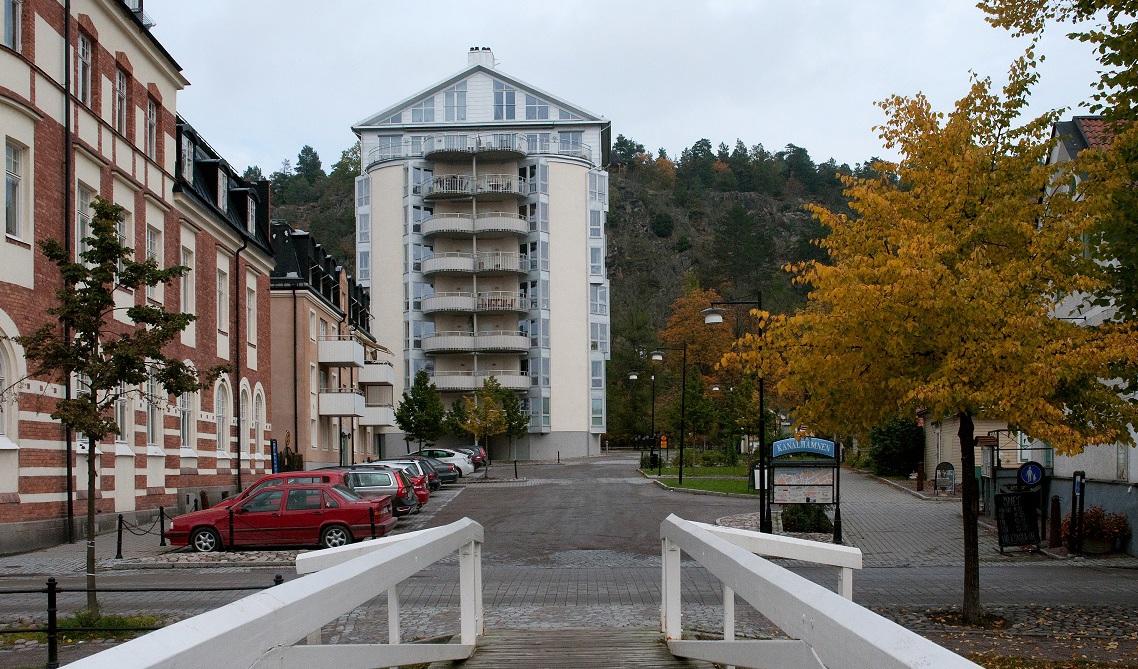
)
(376, 118)
(1096, 130)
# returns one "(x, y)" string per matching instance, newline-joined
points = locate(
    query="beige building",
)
(481, 213)
(335, 382)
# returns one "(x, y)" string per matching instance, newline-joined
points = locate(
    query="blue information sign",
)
(1030, 473)
(814, 445)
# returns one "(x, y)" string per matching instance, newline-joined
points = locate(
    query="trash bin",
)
(654, 460)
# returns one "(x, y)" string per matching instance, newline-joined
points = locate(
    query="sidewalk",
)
(72, 558)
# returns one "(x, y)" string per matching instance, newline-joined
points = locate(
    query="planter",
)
(1097, 546)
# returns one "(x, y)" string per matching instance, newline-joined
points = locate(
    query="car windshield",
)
(348, 495)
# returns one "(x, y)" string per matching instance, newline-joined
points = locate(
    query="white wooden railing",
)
(261, 630)
(827, 630)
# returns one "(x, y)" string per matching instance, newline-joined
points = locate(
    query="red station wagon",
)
(285, 515)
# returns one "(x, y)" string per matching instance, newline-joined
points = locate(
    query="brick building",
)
(87, 108)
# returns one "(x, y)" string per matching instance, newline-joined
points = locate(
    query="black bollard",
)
(558, 457)
(118, 550)
(515, 470)
(1055, 538)
(278, 579)
(162, 525)
(52, 625)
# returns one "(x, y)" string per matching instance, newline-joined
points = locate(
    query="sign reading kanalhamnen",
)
(814, 445)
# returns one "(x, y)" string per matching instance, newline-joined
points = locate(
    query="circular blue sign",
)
(1030, 473)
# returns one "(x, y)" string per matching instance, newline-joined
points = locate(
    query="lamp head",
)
(632, 376)
(712, 315)
(657, 356)
(715, 388)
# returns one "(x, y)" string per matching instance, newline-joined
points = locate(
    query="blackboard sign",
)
(1016, 519)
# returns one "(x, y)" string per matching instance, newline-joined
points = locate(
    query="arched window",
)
(243, 434)
(4, 392)
(259, 417)
(221, 416)
(187, 419)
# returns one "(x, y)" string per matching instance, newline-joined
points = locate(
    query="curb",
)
(692, 491)
(475, 481)
(898, 486)
(197, 565)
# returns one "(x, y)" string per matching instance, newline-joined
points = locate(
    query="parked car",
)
(476, 453)
(280, 478)
(371, 479)
(416, 473)
(458, 459)
(285, 515)
(447, 473)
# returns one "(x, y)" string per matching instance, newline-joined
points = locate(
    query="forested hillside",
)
(722, 218)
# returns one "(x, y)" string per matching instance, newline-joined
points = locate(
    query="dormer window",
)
(251, 215)
(222, 189)
(187, 159)
(424, 112)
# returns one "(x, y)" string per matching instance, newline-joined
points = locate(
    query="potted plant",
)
(1102, 532)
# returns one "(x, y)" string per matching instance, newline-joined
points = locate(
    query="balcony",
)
(449, 342)
(501, 222)
(509, 379)
(493, 146)
(455, 381)
(502, 301)
(378, 416)
(341, 402)
(452, 302)
(558, 147)
(502, 187)
(340, 351)
(377, 373)
(452, 225)
(502, 341)
(501, 262)
(448, 186)
(449, 262)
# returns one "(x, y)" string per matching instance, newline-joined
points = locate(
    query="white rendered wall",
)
(387, 187)
(569, 290)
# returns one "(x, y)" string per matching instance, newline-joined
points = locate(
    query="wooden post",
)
(466, 588)
(671, 594)
(393, 615)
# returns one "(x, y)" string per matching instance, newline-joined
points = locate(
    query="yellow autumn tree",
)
(941, 291)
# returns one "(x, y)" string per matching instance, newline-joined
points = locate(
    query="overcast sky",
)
(268, 76)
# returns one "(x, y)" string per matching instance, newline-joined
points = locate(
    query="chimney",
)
(480, 56)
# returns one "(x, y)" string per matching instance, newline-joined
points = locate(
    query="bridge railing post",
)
(728, 616)
(468, 594)
(479, 614)
(393, 614)
(671, 595)
(845, 583)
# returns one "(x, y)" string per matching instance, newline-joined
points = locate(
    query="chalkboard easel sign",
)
(1016, 519)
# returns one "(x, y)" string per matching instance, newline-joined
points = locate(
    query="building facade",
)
(481, 213)
(87, 108)
(334, 399)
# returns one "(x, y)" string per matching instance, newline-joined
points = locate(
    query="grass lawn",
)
(1020, 663)
(117, 627)
(738, 470)
(717, 485)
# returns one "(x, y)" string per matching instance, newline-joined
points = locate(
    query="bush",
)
(896, 447)
(805, 518)
(662, 225)
(1112, 528)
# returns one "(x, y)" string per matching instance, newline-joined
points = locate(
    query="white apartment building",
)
(480, 231)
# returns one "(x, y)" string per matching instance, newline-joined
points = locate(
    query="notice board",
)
(1016, 519)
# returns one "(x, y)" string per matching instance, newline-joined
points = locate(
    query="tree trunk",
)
(969, 501)
(92, 598)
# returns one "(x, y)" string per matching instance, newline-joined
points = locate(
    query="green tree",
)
(940, 293)
(455, 419)
(253, 174)
(896, 446)
(105, 360)
(308, 165)
(421, 413)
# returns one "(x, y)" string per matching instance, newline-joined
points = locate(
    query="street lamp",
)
(658, 356)
(713, 315)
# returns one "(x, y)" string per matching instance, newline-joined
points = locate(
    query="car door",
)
(256, 522)
(302, 516)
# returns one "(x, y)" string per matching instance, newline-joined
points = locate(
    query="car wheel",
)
(335, 535)
(205, 540)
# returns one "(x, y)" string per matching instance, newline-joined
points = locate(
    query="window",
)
(153, 252)
(312, 432)
(221, 417)
(596, 223)
(188, 281)
(125, 229)
(303, 500)
(13, 189)
(363, 192)
(363, 266)
(251, 315)
(152, 128)
(537, 142)
(122, 415)
(599, 337)
(153, 412)
(251, 215)
(536, 109)
(565, 115)
(323, 329)
(186, 419)
(424, 112)
(258, 420)
(363, 228)
(420, 179)
(222, 190)
(598, 300)
(83, 83)
(187, 159)
(598, 373)
(454, 102)
(596, 261)
(12, 23)
(83, 219)
(243, 433)
(386, 146)
(418, 215)
(570, 140)
(120, 100)
(312, 325)
(503, 102)
(270, 500)
(1122, 461)
(222, 301)
(397, 117)
(598, 412)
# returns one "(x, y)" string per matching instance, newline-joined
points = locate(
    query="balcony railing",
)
(501, 222)
(449, 262)
(466, 380)
(340, 351)
(501, 300)
(462, 145)
(503, 261)
(448, 185)
(343, 402)
(495, 186)
(375, 372)
(449, 301)
(382, 415)
(460, 224)
(449, 341)
(497, 340)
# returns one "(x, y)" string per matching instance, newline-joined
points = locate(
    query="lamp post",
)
(713, 316)
(658, 356)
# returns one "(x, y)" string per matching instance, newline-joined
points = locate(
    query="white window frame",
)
(122, 415)
(505, 102)
(15, 185)
(186, 419)
(596, 261)
(536, 108)
(83, 81)
(363, 192)
(363, 227)
(251, 215)
(363, 265)
(153, 413)
(221, 418)
(596, 223)
(423, 111)
(121, 100)
(251, 315)
(83, 199)
(153, 252)
(258, 420)
(222, 301)
(151, 128)
(222, 189)
(12, 24)
(454, 102)
(187, 159)
(188, 286)
(243, 433)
